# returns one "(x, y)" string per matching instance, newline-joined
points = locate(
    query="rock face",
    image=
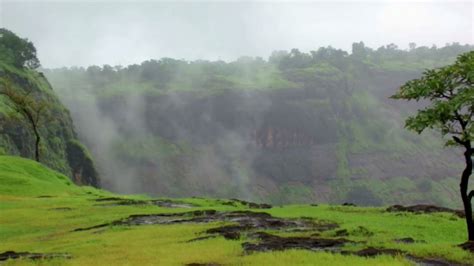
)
(82, 165)
(229, 145)
(335, 138)
(59, 147)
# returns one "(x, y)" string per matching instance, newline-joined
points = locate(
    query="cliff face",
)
(313, 128)
(284, 146)
(59, 148)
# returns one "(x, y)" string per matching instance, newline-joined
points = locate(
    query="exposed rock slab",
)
(270, 242)
(245, 220)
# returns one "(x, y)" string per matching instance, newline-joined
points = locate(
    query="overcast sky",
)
(82, 33)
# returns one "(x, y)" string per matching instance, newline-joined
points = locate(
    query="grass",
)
(29, 221)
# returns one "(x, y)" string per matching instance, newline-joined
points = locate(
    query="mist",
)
(83, 33)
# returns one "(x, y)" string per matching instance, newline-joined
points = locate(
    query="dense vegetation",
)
(298, 127)
(30, 111)
(42, 210)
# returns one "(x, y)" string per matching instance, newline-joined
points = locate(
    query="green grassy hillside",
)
(41, 211)
(24, 177)
(59, 147)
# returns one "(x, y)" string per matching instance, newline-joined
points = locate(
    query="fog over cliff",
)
(296, 127)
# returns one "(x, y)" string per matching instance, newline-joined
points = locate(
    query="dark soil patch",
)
(109, 199)
(342, 232)
(469, 246)
(405, 240)
(61, 209)
(432, 261)
(116, 201)
(251, 205)
(34, 256)
(44, 197)
(424, 209)
(408, 240)
(349, 204)
(92, 227)
(372, 252)
(203, 264)
(200, 238)
(270, 242)
(231, 232)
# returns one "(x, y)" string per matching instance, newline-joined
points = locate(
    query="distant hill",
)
(298, 127)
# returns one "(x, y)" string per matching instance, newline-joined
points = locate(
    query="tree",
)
(450, 90)
(17, 51)
(32, 109)
(359, 51)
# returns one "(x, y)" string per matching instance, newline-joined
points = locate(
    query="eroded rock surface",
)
(245, 220)
(254, 227)
(268, 242)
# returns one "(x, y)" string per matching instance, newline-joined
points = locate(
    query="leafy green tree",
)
(17, 51)
(450, 90)
(277, 56)
(295, 59)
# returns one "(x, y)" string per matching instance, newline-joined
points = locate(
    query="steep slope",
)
(20, 176)
(59, 147)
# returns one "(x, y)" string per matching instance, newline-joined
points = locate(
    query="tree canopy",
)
(17, 51)
(450, 90)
